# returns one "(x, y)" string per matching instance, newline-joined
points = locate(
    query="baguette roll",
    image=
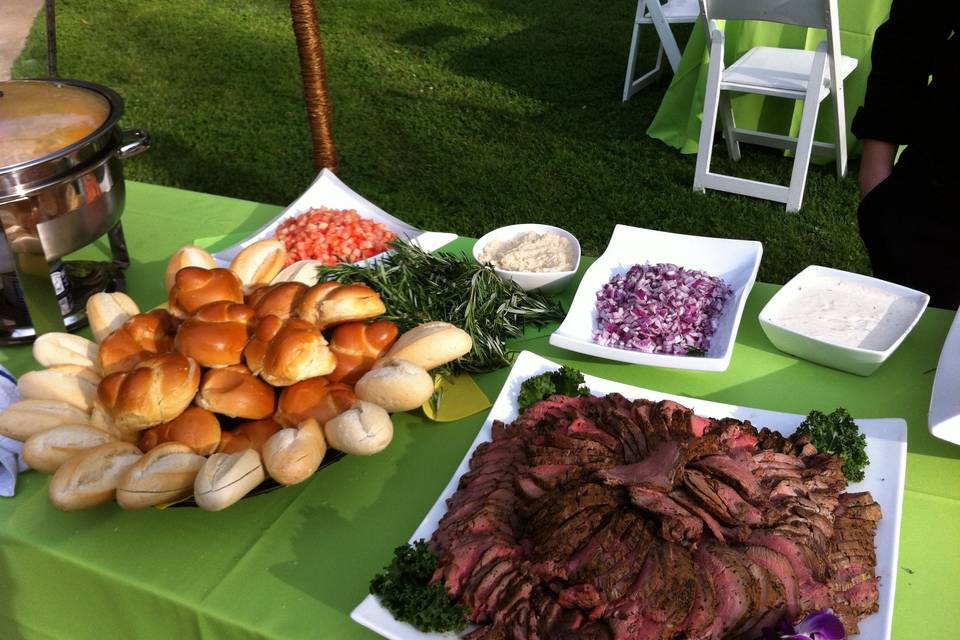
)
(237, 393)
(302, 271)
(106, 312)
(165, 474)
(249, 435)
(259, 263)
(362, 430)
(52, 349)
(48, 450)
(86, 373)
(100, 419)
(157, 390)
(395, 385)
(25, 418)
(358, 346)
(188, 256)
(196, 428)
(315, 398)
(91, 477)
(227, 477)
(431, 345)
(283, 352)
(57, 386)
(293, 455)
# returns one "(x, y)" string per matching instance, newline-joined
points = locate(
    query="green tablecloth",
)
(293, 563)
(677, 121)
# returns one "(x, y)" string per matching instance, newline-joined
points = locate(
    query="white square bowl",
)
(856, 360)
(944, 416)
(329, 191)
(736, 261)
(543, 281)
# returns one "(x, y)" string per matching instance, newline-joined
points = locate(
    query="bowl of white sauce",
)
(538, 257)
(840, 319)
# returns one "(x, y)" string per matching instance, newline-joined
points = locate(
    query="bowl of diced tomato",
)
(331, 236)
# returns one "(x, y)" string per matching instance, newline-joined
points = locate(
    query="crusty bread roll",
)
(50, 384)
(362, 430)
(395, 385)
(315, 398)
(24, 418)
(194, 287)
(106, 312)
(155, 391)
(303, 271)
(330, 303)
(52, 349)
(165, 474)
(188, 256)
(90, 478)
(293, 455)
(216, 334)
(141, 337)
(281, 300)
(358, 346)
(227, 477)
(283, 352)
(259, 263)
(248, 435)
(100, 419)
(235, 392)
(47, 450)
(86, 373)
(431, 345)
(196, 428)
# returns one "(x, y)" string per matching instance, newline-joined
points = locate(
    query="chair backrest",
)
(805, 13)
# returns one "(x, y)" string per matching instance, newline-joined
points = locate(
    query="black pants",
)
(911, 227)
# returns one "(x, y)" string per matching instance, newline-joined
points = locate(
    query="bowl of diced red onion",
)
(662, 299)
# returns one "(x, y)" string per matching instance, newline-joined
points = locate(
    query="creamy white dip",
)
(531, 252)
(847, 313)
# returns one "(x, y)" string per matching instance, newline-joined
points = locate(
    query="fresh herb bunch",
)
(404, 589)
(565, 381)
(417, 286)
(839, 435)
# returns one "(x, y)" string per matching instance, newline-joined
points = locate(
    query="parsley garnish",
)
(839, 435)
(566, 381)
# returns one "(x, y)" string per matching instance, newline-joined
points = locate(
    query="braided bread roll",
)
(196, 428)
(331, 303)
(281, 299)
(216, 334)
(194, 287)
(357, 346)
(316, 398)
(155, 391)
(142, 336)
(283, 352)
(237, 393)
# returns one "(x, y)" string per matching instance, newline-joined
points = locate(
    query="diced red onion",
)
(661, 308)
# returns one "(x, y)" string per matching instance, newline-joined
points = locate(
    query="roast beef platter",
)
(625, 516)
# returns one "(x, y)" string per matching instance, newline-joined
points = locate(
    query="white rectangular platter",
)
(329, 191)
(736, 261)
(944, 417)
(886, 448)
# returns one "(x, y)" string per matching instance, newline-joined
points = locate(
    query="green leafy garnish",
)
(404, 589)
(839, 435)
(565, 381)
(417, 286)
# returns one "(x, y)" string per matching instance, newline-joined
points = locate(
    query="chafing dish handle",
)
(133, 142)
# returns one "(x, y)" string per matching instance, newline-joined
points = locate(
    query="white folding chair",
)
(651, 12)
(786, 73)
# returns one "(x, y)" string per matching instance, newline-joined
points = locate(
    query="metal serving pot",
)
(61, 176)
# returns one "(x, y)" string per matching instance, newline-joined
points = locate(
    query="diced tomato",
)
(329, 235)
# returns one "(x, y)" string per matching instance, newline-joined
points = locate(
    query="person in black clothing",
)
(910, 212)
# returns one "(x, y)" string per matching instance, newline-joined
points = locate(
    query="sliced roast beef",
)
(660, 470)
(676, 523)
(737, 473)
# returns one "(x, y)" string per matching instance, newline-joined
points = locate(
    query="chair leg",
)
(840, 128)
(708, 126)
(729, 127)
(631, 63)
(801, 161)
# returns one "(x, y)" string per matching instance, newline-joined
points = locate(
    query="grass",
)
(458, 115)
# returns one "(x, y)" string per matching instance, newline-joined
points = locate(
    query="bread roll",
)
(141, 337)
(106, 312)
(362, 430)
(303, 271)
(235, 392)
(47, 450)
(24, 418)
(249, 435)
(86, 373)
(431, 345)
(52, 349)
(283, 352)
(49, 384)
(281, 300)
(227, 477)
(194, 287)
(196, 428)
(259, 263)
(100, 419)
(396, 385)
(155, 391)
(188, 256)
(216, 334)
(330, 303)
(164, 475)
(293, 455)
(90, 478)
(358, 346)
(315, 398)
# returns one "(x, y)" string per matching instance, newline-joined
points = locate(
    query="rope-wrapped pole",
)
(312, 69)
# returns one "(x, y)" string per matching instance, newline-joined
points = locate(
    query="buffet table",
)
(293, 563)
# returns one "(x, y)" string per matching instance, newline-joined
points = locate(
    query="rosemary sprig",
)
(417, 287)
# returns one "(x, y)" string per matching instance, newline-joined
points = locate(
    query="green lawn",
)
(455, 115)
